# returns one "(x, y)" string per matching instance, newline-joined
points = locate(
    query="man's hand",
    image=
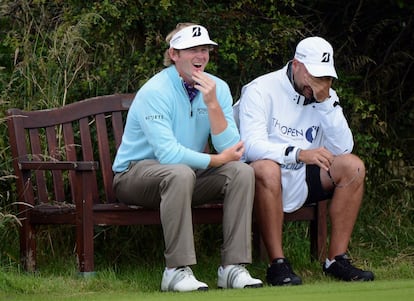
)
(320, 86)
(318, 156)
(233, 153)
(206, 86)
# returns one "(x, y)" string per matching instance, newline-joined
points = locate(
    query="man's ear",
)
(173, 53)
(295, 63)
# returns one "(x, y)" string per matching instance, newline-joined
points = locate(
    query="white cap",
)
(317, 56)
(191, 36)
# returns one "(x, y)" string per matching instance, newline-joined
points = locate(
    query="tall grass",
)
(9, 224)
(50, 63)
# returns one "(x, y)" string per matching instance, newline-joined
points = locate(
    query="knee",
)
(359, 164)
(353, 163)
(348, 166)
(267, 173)
(177, 187)
(241, 171)
(181, 174)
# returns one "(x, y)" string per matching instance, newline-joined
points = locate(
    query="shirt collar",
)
(289, 73)
(192, 92)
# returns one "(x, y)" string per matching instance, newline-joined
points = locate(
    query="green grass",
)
(129, 262)
(140, 280)
(128, 271)
(401, 289)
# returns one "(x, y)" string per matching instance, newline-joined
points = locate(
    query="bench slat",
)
(105, 156)
(87, 150)
(117, 128)
(55, 151)
(70, 150)
(37, 155)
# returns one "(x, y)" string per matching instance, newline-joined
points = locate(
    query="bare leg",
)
(268, 207)
(348, 173)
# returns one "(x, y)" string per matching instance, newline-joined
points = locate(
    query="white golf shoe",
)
(181, 280)
(236, 276)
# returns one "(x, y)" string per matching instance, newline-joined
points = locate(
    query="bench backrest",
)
(88, 130)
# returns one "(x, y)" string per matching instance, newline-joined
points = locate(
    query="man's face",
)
(304, 81)
(187, 61)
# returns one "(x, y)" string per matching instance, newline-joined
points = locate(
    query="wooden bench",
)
(62, 160)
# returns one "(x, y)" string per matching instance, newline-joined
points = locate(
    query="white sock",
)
(169, 270)
(329, 262)
(221, 270)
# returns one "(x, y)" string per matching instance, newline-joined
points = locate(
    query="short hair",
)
(167, 59)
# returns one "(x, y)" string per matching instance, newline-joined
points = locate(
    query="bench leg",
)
(84, 246)
(84, 231)
(318, 232)
(28, 246)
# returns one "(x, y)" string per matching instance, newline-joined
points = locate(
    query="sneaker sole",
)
(202, 289)
(362, 279)
(285, 283)
(257, 285)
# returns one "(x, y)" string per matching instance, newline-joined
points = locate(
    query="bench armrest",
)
(59, 165)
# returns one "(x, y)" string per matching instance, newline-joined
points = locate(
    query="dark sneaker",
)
(280, 273)
(344, 270)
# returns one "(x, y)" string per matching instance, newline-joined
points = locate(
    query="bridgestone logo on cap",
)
(326, 57)
(196, 31)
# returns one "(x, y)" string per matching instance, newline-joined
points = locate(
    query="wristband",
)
(297, 155)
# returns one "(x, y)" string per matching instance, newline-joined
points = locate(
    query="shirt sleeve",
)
(253, 119)
(230, 136)
(337, 136)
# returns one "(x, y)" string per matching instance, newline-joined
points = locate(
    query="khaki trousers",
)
(175, 188)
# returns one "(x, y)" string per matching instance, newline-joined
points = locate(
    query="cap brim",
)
(190, 44)
(321, 70)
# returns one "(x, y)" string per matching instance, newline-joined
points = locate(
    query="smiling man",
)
(161, 161)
